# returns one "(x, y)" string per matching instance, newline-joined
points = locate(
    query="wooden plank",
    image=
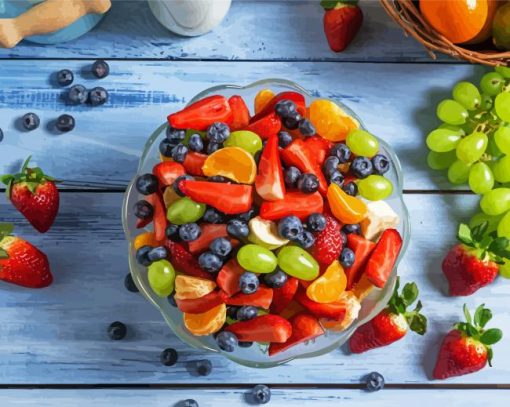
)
(58, 335)
(228, 396)
(252, 30)
(396, 102)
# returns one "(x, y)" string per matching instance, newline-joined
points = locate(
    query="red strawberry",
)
(193, 163)
(34, 194)
(202, 304)
(362, 249)
(265, 328)
(229, 276)
(474, 263)
(210, 232)
(383, 257)
(320, 147)
(467, 348)
(22, 263)
(333, 310)
(184, 261)
(283, 296)
(342, 21)
(392, 323)
(261, 298)
(328, 243)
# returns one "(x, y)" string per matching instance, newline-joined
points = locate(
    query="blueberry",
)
(337, 178)
(227, 341)
(30, 121)
(190, 403)
(65, 123)
(305, 239)
(248, 215)
(381, 164)
(212, 147)
(285, 108)
(248, 283)
(77, 94)
(276, 279)
(343, 238)
(210, 262)
(157, 253)
(218, 132)
(117, 331)
(169, 357)
(175, 136)
(306, 128)
(330, 166)
(142, 255)
(316, 222)
(189, 232)
(361, 167)
(171, 300)
(238, 229)
(195, 143)
(308, 183)
(247, 312)
(284, 139)
(165, 148)
(179, 153)
(290, 227)
(291, 177)
(100, 69)
(347, 257)
(177, 181)
(261, 394)
(375, 381)
(143, 209)
(221, 246)
(245, 344)
(98, 96)
(212, 215)
(232, 311)
(130, 284)
(351, 189)
(172, 233)
(204, 367)
(218, 178)
(342, 152)
(292, 122)
(147, 184)
(355, 228)
(65, 77)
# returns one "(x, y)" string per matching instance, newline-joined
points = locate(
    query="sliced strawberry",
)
(328, 243)
(383, 257)
(269, 182)
(283, 296)
(167, 172)
(202, 304)
(261, 298)
(240, 113)
(295, 97)
(362, 249)
(305, 327)
(184, 261)
(266, 126)
(266, 328)
(193, 163)
(333, 310)
(294, 203)
(201, 114)
(228, 277)
(159, 217)
(141, 223)
(293, 308)
(320, 147)
(210, 231)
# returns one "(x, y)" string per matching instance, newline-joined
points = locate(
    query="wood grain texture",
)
(58, 335)
(252, 30)
(104, 149)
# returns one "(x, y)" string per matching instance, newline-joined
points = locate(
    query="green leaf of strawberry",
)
(398, 304)
(491, 336)
(485, 246)
(331, 4)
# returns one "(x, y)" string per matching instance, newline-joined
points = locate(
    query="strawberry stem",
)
(399, 302)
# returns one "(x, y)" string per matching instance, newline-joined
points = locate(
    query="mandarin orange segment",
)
(262, 99)
(234, 163)
(189, 287)
(206, 323)
(346, 208)
(162, 158)
(363, 288)
(330, 286)
(330, 121)
(145, 239)
(352, 306)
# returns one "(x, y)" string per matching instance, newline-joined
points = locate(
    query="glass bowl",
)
(256, 356)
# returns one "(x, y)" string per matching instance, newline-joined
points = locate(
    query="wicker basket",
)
(407, 15)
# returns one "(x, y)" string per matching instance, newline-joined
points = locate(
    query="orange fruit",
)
(330, 121)
(262, 99)
(190, 288)
(362, 288)
(206, 323)
(330, 286)
(352, 307)
(162, 158)
(145, 239)
(346, 208)
(170, 196)
(234, 163)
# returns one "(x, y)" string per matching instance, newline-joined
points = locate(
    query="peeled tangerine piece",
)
(330, 121)
(189, 288)
(380, 216)
(330, 286)
(352, 308)
(262, 99)
(206, 323)
(346, 208)
(234, 163)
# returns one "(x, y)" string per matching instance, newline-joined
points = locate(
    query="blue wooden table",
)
(53, 344)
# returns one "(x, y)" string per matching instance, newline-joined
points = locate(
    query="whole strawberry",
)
(342, 21)
(34, 194)
(467, 348)
(328, 243)
(392, 323)
(474, 263)
(22, 263)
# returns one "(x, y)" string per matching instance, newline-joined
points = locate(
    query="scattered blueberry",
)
(212, 147)
(142, 255)
(221, 246)
(306, 128)
(238, 229)
(261, 394)
(308, 183)
(190, 403)
(218, 132)
(342, 152)
(381, 164)
(65, 77)
(143, 209)
(179, 153)
(218, 178)
(330, 166)
(343, 237)
(361, 167)
(355, 228)
(290, 227)
(291, 177)
(316, 222)
(285, 108)
(195, 143)
(65, 123)
(177, 181)
(276, 279)
(227, 341)
(204, 367)
(246, 312)
(157, 253)
(169, 357)
(100, 69)
(284, 139)
(347, 257)
(30, 121)
(210, 262)
(130, 284)
(172, 233)
(175, 136)
(77, 94)
(292, 122)
(375, 381)
(171, 300)
(165, 148)
(117, 331)
(245, 344)
(147, 184)
(212, 215)
(98, 96)
(305, 239)
(337, 178)
(189, 232)
(351, 189)
(248, 283)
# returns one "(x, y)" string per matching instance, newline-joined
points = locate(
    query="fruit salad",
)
(269, 227)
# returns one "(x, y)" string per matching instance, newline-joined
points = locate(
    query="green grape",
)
(456, 129)
(486, 102)
(496, 202)
(362, 143)
(504, 269)
(184, 210)
(503, 71)
(256, 259)
(493, 149)
(467, 95)
(458, 173)
(375, 187)
(502, 169)
(502, 105)
(504, 226)
(161, 276)
(502, 139)
(472, 147)
(247, 140)
(298, 263)
(443, 140)
(481, 217)
(452, 112)
(492, 83)
(481, 179)
(441, 161)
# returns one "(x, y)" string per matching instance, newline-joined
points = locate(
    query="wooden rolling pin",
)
(47, 17)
